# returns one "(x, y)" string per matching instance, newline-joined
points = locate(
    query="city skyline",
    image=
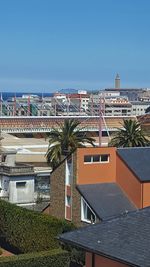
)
(49, 45)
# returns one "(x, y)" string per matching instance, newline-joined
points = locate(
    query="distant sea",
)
(9, 95)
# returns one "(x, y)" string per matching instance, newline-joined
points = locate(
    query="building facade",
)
(88, 186)
(16, 180)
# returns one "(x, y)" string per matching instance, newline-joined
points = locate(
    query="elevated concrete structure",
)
(43, 124)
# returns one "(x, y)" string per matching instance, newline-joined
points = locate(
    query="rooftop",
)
(137, 160)
(106, 199)
(18, 169)
(125, 239)
(28, 149)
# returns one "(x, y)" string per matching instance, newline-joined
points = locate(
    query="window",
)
(69, 171)
(104, 158)
(87, 215)
(3, 158)
(87, 158)
(68, 201)
(104, 133)
(20, 184)
(96, 158)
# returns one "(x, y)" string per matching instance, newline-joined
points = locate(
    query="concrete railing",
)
(16, 169)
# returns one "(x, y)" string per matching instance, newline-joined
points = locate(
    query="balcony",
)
(17, 169)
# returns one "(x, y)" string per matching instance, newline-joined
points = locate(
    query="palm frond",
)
(130, 136)
(66, 139)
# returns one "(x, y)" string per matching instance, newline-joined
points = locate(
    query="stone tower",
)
(117, 82)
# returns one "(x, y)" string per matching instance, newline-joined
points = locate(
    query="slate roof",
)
(106, 199)
(125, 239)
(138, 160)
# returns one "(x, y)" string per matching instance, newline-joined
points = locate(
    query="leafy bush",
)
(76, 254)
(29, 231)
(53, 258)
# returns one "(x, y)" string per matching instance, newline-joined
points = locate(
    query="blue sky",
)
(47, 45)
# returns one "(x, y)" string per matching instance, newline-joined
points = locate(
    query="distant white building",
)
(110, 103)
(139, 107)
(82, 92)
(118, 106)
(16, 180)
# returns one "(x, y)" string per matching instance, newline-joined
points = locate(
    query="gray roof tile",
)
(126, 238)
(106, 199)
(138, 160)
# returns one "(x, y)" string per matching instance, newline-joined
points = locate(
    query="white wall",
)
(139, 109)
(10, 159)
(21, 194)
(4, 185)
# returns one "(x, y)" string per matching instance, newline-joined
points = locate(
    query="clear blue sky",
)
(52, 44)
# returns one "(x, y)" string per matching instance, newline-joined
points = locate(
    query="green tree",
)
(130, 136)
(65, 140)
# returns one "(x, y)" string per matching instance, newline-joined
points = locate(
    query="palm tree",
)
(130, 136)
(65, 140)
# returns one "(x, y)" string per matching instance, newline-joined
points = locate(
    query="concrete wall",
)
(96, 172)
(21, 194)
(139, 109)
(10, 159)
(4, 185)
(146, 195)
(128, 182)
(31, 158)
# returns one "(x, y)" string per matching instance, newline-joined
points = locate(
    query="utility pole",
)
(80, 103)
(28, 112)
(101, 111)
(14, 111)
(100, 121)
(68, 103)
(1, 108)
(92, 105)
(55, 107)
(1, 138)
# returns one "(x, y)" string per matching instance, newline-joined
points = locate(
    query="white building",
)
(110, 103)
(118, 106)
(139, 107)
(16, 180)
